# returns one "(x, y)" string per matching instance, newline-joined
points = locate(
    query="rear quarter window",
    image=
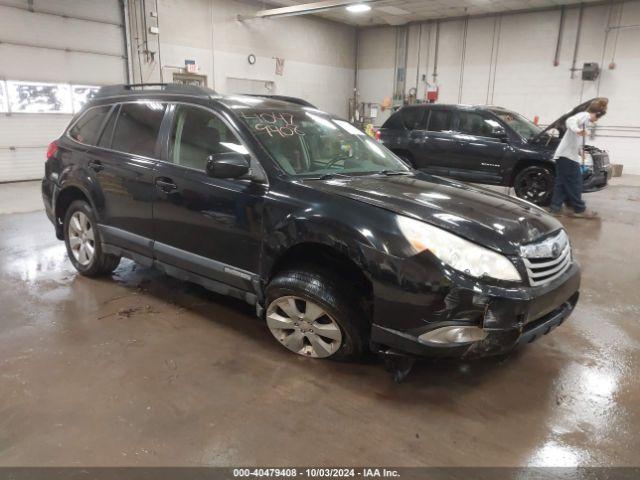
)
(394, 122)
(87, 129)
(412, 117)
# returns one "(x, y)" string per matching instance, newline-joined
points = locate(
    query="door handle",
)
(96, 166)
(166, 185)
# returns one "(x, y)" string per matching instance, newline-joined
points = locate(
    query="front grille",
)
(547, 260)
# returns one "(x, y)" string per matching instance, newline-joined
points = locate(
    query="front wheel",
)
(534, 184)
(82, 239)
(311, 313)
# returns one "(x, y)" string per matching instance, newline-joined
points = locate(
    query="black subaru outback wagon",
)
(339, 245)
(489, 145)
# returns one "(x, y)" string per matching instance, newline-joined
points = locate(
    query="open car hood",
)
(559, 123)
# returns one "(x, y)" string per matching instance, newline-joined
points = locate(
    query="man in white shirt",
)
(568, 157)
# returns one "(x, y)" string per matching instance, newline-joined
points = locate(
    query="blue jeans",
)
(568, 186)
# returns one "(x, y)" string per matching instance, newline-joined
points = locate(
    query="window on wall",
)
(81, 94)
(31, 97)
(36, 97)
(196, 134)
(87, 128)
(137, 128)
(3, 98)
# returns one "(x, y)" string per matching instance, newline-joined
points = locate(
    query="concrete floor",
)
(140, 369)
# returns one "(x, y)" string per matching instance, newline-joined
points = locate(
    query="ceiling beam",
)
(304, 9)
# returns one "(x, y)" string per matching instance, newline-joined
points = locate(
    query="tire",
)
(534, 184)
(80, 236)
(299, 287)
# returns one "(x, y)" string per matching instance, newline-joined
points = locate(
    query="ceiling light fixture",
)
(358, 8)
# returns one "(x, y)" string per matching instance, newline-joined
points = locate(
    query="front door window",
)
(197, 134)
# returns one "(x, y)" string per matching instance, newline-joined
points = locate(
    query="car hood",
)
(480, 215)
(559, 123)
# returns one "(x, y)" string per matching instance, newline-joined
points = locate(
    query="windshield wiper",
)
(327, 176)
(391, 172)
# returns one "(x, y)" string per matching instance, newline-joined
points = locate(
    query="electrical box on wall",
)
(590, 71)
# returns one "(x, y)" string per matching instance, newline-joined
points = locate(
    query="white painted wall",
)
(49, 45)
(319, 54)
(513, 67)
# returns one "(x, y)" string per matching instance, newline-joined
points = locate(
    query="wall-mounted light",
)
(358, 8)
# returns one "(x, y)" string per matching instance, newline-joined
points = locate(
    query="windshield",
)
(521, 125)
(308, 142)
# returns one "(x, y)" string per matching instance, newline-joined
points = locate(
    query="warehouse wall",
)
(319, 55)
(507, 60)
(60, 41)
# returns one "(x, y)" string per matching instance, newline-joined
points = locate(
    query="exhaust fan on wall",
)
(590, 71)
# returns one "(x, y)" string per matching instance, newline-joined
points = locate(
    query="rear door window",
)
(412, 117)
(107, 131)
(87, 129)
(137, 128)
(394, 122)
(440, 121)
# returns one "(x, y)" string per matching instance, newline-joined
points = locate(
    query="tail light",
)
(52, 149)
(378, 135)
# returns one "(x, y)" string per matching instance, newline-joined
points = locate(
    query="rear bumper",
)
(597, 180)
(509, 318)
(49, 192)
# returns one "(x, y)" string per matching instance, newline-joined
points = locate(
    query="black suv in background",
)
(338, 243)
(486, 144)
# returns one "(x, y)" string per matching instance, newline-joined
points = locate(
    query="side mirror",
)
(500, 133)
(227, 165)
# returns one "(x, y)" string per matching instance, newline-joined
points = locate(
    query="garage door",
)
(49, 69)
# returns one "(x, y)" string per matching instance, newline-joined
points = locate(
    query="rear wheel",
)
(82, 239)
(534, 184)
(311, 312)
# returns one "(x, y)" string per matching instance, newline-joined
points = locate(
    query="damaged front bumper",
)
(492, 320)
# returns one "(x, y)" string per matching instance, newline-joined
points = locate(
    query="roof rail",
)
(125, 89)
(284, 98)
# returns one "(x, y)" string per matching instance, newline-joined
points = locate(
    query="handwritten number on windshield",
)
(281, 124)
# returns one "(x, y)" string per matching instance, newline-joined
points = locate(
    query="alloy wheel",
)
(534, 186)
(304, 327)
(81, 238)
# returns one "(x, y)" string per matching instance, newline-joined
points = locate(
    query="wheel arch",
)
(64, 199)
(325, 256)
(528, 162)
